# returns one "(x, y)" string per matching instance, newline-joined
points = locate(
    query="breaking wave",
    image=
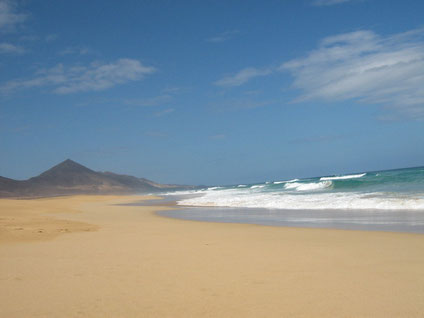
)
(279, 182)
(352, 176)
(401, 189)
(308, 186)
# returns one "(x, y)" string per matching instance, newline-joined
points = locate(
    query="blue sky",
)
(211, 92)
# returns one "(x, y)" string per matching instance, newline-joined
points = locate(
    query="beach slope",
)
(96, 258)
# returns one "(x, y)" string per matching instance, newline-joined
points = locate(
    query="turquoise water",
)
(391, 200)
(401, 189)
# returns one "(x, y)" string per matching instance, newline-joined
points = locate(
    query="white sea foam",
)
(180, 192)
(291, 185)
(314, 201)
(389, 193)
(352, 176)
(308, 186)
(215, 188)
(279, 182)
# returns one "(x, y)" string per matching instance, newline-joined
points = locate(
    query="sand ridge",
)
(34, 219)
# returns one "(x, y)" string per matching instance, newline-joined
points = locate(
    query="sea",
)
(388, 200)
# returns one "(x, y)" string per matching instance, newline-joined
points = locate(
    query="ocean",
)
(390, 200)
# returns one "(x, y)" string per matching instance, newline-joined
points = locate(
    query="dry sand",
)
(125, 261)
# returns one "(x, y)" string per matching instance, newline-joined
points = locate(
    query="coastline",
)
(355, 220)
(134, 263)
(338, 219)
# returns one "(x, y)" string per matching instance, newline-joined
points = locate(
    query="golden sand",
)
(93, 258)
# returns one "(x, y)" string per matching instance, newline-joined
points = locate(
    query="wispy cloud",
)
(241, 103)
(76, 51)
(242, 77)
(9, 48)
(157, 134)
(175, 90)
(96, 76)
(364, 66)
(17, 129)
(218, 137)
(151, 101)
(9, 17)
(51, 37)
(316, 139)
(329, 2)
(222, 37)
(32, 38)
(98, 100)
(164, 112)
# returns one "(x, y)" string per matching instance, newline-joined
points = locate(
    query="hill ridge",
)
(70, 177)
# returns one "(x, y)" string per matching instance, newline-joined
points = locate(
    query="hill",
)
(70, 177)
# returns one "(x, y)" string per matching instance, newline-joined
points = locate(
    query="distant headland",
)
(70, 177)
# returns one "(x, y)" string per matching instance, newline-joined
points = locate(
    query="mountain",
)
(70, 177)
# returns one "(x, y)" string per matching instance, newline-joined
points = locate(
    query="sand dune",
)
(125, 261)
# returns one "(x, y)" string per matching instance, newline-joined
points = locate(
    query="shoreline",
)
(349, 220)
(140, 264)
(306, 219)
(167, 213)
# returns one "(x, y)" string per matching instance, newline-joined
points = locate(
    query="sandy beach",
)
(87, 256)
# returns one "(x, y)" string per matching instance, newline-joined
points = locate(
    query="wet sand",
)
(97, 258)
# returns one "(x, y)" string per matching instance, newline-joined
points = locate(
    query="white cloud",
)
(151, 101)
(222, 37)
(51, 37)
(164, 112)
(329, 2)
(366, 67)
(174, 90)
(158, 134)
(9, 18)
(242, 77)
(241, 103)
(218, 137)
(94, 77)
(75, 51)
(11, 48)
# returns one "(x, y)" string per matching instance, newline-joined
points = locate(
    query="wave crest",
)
(215, 188)
(308, 186)
(351, 176)
(292, 180)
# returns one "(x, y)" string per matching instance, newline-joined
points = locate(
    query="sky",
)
(211, 92)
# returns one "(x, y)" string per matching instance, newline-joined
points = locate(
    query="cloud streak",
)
(320, 3)
(164, 112)
(218, 137)
(93, 77)
(224, 36)
(367, 67)
(76, 51)
(8, 48)
(148, 102)
(9, 18)
(235, 104)
(242, 77)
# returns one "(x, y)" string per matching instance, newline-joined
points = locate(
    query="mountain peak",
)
(70, 177)
(66, 167)
(69, 163)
